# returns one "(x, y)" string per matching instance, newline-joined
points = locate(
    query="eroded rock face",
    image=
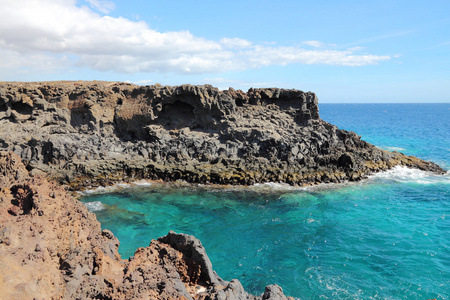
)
(51, 247)
(91, 133)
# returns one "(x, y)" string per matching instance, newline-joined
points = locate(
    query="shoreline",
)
(83, 134)
(396, 174)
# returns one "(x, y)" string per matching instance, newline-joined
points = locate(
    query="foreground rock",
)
(51, 247)
(91, 133)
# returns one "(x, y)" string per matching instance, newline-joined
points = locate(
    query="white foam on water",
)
(394, 148)
(404, 175)
(273, 186)
(122, 185)
(396, 174)
(104, 190)
(280, 187)
(115, 187)
(94, 206)
(142, 183)
(97, 190)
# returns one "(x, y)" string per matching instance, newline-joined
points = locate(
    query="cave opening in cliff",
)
(177, 115)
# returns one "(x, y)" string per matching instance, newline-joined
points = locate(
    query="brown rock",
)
(51, 247)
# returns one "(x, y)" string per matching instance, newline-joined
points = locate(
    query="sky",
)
(359, 51)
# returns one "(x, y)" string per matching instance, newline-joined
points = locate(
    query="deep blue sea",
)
(387, 237)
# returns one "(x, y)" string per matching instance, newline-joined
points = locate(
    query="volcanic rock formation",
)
(91, 133)
(51, 247)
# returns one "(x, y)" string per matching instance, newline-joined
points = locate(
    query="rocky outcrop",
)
(51, 247)
(91, 133)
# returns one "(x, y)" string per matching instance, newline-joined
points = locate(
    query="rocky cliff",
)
(91, 133)
(51, 247)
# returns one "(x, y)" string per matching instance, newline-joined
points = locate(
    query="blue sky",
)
(344, 51)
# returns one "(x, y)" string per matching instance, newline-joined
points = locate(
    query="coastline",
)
(86, 134)
(397, 173)
(100, 134)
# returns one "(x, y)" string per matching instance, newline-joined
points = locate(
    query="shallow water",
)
(387, 237)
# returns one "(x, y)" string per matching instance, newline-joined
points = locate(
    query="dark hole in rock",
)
(22, 108)
(103, 297)
(177, 115)
(44, 91)
(3, 144)
(3, 107)
(74, 96)
(47, 152)
(23, 198)
(65, 265)
(346, 161)
(32, 142)
(239, 102)
(80, 116)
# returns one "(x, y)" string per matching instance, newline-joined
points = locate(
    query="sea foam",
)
(94, 206)
(116, 187)
(272, 186)
(403, 174)
(393, 148)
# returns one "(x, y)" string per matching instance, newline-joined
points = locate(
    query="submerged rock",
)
(87, 134)
(51, 247)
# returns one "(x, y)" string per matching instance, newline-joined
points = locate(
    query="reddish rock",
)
(51, 247)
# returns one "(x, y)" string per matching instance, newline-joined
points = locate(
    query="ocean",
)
(386, 237)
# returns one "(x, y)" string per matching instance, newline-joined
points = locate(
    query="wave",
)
(97, 190)
(142, 183)
(114, 188)
(390, 148)
(403, 174)
(394, 148)
(272, 186)
(398, 174)
(94, 206)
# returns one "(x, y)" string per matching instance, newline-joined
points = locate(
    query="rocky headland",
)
(86, 134)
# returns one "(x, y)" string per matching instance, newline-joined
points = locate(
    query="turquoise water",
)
(387, 237)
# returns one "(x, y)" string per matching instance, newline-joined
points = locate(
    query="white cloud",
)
(235, 43)
(264, 56)
(40, 35)
(316, 44)
(355, 49)
(13, 62)
(141, 82)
